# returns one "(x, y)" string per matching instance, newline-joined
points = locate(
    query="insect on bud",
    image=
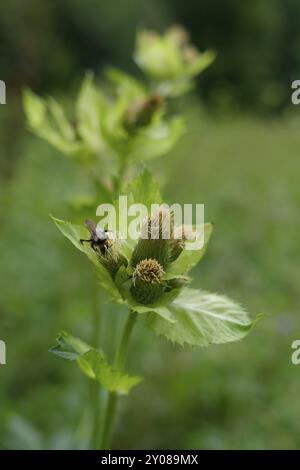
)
(147, 283)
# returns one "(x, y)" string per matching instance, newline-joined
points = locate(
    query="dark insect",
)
(99, 238)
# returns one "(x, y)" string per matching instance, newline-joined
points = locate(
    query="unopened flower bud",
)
(147, 284)
(112, 258)
(156, 234)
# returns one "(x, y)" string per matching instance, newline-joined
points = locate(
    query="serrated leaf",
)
(93, 363)
(189, 258)
(76, 232)
(203, 318)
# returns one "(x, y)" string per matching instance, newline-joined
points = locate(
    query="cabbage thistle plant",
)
(113, 130)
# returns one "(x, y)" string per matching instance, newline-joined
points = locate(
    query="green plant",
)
(112, 133)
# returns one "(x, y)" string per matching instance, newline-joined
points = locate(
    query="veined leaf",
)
(202, 318)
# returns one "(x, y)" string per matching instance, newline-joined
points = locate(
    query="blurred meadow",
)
(239, 156)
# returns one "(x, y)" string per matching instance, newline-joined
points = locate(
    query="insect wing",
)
(101, 235)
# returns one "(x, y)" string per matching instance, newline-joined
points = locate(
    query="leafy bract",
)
(156, 140)
(75, 233)
(202, 318)
(93, 363)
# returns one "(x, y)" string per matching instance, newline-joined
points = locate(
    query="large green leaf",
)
(202, 318)
(93, 363)
(189, 258)
(76, 232)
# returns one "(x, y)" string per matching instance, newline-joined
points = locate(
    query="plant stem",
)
(119, 362)
(94, 385)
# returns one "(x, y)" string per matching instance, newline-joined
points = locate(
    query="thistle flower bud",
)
(181, 234)
(140, 113)
(112, 258)
(156, 234)
(147, 284)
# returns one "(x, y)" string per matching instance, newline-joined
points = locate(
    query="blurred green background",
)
(240, 157)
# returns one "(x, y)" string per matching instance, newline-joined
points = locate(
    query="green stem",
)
(119, 362)
(94, 385)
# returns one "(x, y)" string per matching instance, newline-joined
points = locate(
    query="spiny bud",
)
(111, 258)
(181, 234)
(147, 284)
(156, 234)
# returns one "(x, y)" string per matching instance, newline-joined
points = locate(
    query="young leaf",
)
(202, 319)
(77, 232)
(69, 347)
(93, 363)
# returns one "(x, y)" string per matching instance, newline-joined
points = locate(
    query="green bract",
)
(152, 281)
